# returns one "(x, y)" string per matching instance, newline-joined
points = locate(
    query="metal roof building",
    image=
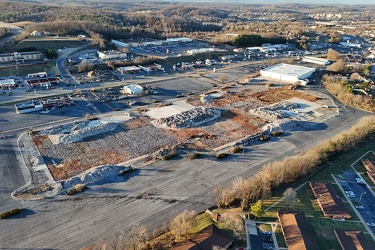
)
(316, 60)
(287, 72)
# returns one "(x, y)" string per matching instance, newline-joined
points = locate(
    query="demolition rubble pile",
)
(189, 118)
(283, 125)
(77, 131)
(276, 111)
(94, 176)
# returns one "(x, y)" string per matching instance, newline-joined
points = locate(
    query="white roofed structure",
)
(316, 60)
(7, 83)
(133, 89)
(287, 72)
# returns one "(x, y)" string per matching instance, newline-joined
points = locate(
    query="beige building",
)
(20, 56)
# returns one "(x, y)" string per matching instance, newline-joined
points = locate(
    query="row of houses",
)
(298, 234)
(296, 229)
(370, 169)
(329, 201)
(20, 56)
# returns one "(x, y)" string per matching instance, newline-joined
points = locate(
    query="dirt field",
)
(138, 137)
(49, 43)
(131, 139)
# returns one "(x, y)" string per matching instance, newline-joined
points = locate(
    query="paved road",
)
(367, 199)
(10, 172)
(63, 70)
(73, 222)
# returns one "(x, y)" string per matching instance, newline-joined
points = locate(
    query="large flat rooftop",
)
(288, 69)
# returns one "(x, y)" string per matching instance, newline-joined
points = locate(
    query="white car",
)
(359, 207)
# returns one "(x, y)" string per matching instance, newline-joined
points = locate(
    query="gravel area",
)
(189, 118)
(119, 145)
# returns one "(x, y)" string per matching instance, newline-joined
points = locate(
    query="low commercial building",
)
(136, 43)
(111, 54)
(7, 83)
(288, 73)
(151, 67)
(200, 51)
(128, 69)
(177, 40)
(132, 89)
(329, 201)
(43, 82)
(20, 56)
(316, 60)
(370, 169)
(296, 230)
(352, 239)
(38, 74)
(27, 107)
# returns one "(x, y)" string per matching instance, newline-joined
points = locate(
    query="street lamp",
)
(360, 198)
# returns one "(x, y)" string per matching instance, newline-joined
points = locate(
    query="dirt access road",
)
(15, 29)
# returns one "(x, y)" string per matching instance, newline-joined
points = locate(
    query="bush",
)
(91, 117)
(193, 156)
(236, 149)
(10, 212)
(77, 188)
(264, 138)
(221, 155)
(276, 133)
(126, 171)
(168, 156)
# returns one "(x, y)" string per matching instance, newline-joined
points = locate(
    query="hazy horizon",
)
(341, 2)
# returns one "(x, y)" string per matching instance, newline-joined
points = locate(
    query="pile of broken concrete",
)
(275, 111)
(189, 118)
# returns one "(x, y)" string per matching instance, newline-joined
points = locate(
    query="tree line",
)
(344, 92)
(291, 168)
(4, 32)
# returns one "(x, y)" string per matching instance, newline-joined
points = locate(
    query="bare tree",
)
(242, 190)
(135, 237)
(181, 224)
(223, 196)
(290, 198)
(338, 66)
(333, 55)
(234, 222)
(85, 66)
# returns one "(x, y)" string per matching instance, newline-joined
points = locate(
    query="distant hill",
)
(363, 2)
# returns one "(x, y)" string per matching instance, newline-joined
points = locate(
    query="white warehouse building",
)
(316, 60)
(111, 54)
(288, 73)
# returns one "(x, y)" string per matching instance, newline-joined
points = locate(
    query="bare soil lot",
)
(137, 137)
(131, 139)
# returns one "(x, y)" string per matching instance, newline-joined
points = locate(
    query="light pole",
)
(360, 198)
